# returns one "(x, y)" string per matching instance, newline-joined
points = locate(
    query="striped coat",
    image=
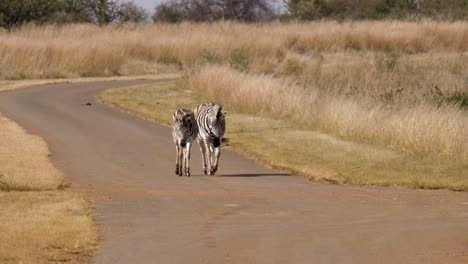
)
(211, 124)
(184, 132)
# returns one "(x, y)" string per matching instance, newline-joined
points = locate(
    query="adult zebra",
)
(184, 132)
(211, 126)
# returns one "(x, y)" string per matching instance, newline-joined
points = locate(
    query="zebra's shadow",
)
(253, 175)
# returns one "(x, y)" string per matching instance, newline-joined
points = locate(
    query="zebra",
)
(211, 126)
(184, 132)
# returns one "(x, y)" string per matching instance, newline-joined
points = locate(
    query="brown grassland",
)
(398, 90)
(368, 102)
(389, 83)
(39, 223)
(284, 144)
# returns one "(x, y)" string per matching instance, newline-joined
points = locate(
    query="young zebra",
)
(211, 126)
(184, 131)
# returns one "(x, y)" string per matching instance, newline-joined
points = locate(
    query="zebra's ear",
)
(187, 117)
(217, 108)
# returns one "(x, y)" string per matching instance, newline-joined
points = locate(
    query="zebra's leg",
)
(208, 151)
(202, 150)
(178, 169)
(187, 158)
(212, 158)
(216, 154)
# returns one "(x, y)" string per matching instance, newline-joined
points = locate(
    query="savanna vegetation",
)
(40, 223)
(378, 101)
(396, 85)
(377, 9)
(14, 13)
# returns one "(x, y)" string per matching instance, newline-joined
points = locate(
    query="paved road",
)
(247, 214)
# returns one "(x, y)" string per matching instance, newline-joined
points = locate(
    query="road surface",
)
(246, 214)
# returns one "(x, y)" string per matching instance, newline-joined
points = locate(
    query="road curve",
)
(247, 214)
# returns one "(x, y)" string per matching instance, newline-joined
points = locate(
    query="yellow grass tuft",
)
(24, 160)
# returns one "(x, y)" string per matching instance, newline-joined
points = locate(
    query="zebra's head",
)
(216, 118)
(185, 119)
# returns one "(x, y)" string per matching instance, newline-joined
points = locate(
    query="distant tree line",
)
(258, 10)
(376, 9)
(211, 10)
(18, 12)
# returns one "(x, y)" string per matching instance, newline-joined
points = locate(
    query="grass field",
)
(369, 102)
(394, 84)
(39, 223)
(283, 144)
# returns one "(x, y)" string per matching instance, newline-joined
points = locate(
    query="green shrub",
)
(458, 98)
(168, 13)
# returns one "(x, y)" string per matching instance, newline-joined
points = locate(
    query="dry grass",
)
(38, 223)
(89, 50)
(379, 82)
(315, 155)
(24, 160)
(420, 130)
(45, 227)
(389, 84)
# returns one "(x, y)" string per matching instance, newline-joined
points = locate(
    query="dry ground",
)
(284, 145)
(39, 224)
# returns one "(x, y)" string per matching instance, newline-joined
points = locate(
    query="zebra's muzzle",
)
(216, 142)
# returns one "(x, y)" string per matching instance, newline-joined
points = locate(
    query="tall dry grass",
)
(422, 130)
(391, 83)
(282, 144)
(89, 50)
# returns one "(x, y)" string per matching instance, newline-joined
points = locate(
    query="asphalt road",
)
(246, 214)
